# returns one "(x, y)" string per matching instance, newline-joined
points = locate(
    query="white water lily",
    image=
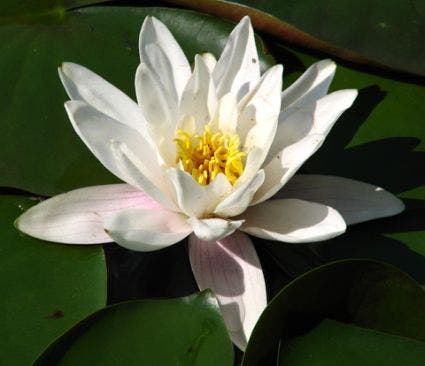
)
(201, 153)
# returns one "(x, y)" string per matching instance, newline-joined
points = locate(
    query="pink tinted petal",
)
(146, 230)
(231, 269)
(77, 217)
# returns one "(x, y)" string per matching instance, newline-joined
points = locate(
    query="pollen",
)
(204, 156)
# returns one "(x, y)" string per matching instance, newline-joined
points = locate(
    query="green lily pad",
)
(40, 151)
(182, 331)
(46, 288)
(31, 8)
(385, 33)
(334, 343)
(364, 293)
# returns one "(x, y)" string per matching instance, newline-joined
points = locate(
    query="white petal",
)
(160, 110)
(188, 125)
(240, 198)
(84, 85)
(231, 269)
(157, 186)
(210, 61)
(77, 217)
(238, 69)
(97, 130)
(293, 221)
(285, 164)
(355, 201)
(199, 99)
(310, 86)
(329, 108)
(315, 118)
(258, 119)
(161, 52)
(226, 115)
(147, 230)
(213, 229)
(194, 199)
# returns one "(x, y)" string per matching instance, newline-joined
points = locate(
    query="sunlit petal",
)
(147, 230)
(293, 221)
(199, 99)
(160, 52)
(214, 228)
(355, 201)
(84, 85)
(230, 267)
(313, 84)
(238, 68)
(285, 164)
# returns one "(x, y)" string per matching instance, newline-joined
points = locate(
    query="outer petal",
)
(237, 69)
(82, 84)
(230, 267)
(315, 118)
(355, 201)
(77, 217)
(97, 130)
(160, 110)
(147, 230)
(213, 229)
(285, 164)
(293, 221)
(258, 120)
(161, 52)
(199, 99)
(240, 198)
(312, 85)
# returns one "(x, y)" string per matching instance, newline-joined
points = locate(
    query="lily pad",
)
(183, 331)
(31, 8)
(334, 343)
(389, 33)
(46, 288)
(360, 292)
(40, 151)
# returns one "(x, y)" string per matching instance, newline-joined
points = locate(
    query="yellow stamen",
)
(210, 154)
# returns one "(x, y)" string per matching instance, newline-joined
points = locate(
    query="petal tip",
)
(395, 205)
(17, 223)
(327, 64)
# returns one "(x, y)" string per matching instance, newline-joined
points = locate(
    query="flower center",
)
(210, 154)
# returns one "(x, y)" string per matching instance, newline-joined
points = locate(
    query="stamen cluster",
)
(210, 154)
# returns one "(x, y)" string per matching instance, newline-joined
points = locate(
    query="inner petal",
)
(204, 156)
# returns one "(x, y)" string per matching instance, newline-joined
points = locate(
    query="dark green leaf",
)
(12, 10)
(387, 33)
(184, 331)
(365, 293)
(45, 288)
(40, 151)
(142, 275)
(334, 343)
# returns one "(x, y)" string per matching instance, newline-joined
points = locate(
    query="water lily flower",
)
(209, 154)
